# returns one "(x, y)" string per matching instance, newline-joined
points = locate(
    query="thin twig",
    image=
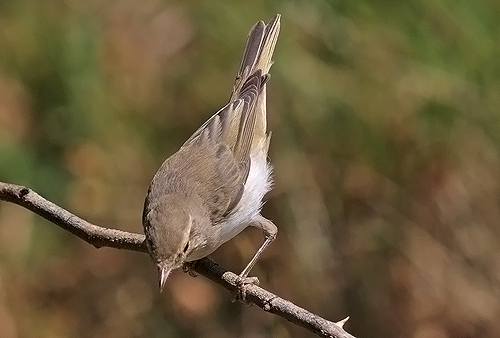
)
(100, 237)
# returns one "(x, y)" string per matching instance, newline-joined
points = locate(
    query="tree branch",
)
(100, 236)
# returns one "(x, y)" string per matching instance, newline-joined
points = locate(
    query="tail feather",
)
(270, 38)
(257, 57)
(252, 50)
(258, 51)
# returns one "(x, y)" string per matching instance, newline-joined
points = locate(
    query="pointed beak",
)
(162, 276)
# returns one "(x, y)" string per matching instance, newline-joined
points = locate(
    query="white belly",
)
(259, 182)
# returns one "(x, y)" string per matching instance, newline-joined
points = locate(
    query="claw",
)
(242, 284)
(189, 268)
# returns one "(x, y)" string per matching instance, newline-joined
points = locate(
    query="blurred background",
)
(386, 148)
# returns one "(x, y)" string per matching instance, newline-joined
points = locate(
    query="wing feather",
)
(230, 134)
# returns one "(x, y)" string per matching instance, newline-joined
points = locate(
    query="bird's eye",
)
(186, 247)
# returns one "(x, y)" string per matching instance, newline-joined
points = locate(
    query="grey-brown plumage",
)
(212, 187)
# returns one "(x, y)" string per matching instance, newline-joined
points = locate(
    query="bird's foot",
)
(189, 268)
(241, 291)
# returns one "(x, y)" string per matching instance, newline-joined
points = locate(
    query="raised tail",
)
(241, 124)
(258, 57)
(258, 50)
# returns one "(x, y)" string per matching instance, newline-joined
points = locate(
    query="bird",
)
(213, 187)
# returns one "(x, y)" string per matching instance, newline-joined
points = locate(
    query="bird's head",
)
(167, 224)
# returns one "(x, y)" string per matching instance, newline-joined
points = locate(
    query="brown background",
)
(385, 146)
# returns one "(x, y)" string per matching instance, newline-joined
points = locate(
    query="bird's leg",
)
(270, 231)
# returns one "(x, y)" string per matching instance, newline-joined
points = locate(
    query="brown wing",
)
(224, 145)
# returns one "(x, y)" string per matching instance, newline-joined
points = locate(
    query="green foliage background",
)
(385, 145)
